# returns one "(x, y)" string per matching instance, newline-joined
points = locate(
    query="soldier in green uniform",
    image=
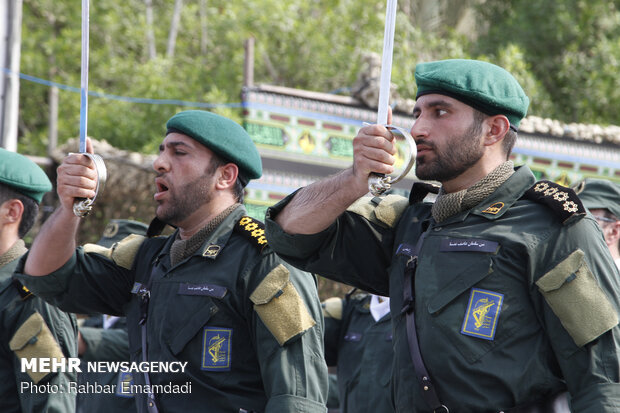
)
(602, 198)
(225, 325)
(29, 327)
(503, 294)
(358, 340)
(103, 337)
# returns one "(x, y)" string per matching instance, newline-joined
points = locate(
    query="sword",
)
(83, 206)
(379, 183)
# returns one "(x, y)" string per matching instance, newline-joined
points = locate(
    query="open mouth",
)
(162, 188)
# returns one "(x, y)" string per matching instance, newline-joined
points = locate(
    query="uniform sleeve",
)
(355, 250)
(40, 330)
(577, 294)
(95, 279)
(288, 330)
(110, 344)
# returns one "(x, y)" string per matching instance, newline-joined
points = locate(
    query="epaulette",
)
(419, 190)
(562, 200)
(155, 228)
(252, 229)
(24, 293)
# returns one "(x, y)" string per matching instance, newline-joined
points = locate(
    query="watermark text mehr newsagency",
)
(74, 364)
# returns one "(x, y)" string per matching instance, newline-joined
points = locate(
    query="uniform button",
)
(425, 387)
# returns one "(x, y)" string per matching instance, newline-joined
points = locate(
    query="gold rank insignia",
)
(494, 208)
(211, 251)
(253, 230)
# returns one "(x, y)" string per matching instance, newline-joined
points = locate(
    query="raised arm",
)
(316, 207)
(55, 243)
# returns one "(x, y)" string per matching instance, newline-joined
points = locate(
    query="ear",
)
(11, 211)
(498, 126)
(226, 176)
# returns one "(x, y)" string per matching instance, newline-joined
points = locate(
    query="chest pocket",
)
(451, 305)
(201, 309)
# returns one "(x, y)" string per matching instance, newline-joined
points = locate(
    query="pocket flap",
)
(562, 273)
(272, 285)
(462, 282)
(27, 333)
(194, 324)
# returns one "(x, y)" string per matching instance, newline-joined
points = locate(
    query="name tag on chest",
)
(210, 290)
(468, 244)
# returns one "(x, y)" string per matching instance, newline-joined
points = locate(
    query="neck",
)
(200, 218)
(8, 237)
(472, 175)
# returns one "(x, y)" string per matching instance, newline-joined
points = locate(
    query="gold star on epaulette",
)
(253, 230)
(562, 200)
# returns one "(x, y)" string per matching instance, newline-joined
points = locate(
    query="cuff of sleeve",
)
(600, 398)
(292, 245)
(46, 286)
(290, 403)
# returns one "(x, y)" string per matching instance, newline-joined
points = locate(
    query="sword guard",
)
(378, 184)
(83, 206)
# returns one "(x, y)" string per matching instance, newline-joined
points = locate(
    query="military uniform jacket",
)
(249, 326)
(361, 348)
(29, 328)
(106, 344)
(514, 300)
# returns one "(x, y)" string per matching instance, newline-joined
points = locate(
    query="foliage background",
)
(565, 53)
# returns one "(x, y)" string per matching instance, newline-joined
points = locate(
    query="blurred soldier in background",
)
(29, 327)
(602, 198)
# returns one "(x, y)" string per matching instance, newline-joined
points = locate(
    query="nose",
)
(160, 164)
(419, 129)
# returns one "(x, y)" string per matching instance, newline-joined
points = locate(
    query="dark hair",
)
(238, 188)
(31, 208)
(509, 140)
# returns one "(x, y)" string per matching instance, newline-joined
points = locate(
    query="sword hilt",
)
(378, 184)
(83, 206)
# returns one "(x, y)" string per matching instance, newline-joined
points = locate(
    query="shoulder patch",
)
(384, 211)
(33, 339)
(253, 230)
(124, 252)
(24, 293)
(562, 200)
(280, 307)
(332, 308)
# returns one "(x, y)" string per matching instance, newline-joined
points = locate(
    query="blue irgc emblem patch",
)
(216, 349)
(482, 314)
(123, 387)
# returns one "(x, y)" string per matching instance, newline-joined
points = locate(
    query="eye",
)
(441, 112)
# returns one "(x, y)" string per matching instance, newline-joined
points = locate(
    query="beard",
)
(185, 200)
(460, 154)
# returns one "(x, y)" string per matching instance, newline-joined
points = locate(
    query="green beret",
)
(223, 136)
(117, 229)
(481, 85)
(23, 175)
(599, 194)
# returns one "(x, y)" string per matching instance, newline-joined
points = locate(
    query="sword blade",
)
(84, 77)
(386, 62)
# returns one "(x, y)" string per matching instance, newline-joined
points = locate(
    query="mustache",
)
(425, 142)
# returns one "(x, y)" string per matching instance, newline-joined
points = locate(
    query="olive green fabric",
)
(599, 194)
(204, 297)
(117, 229)
(105, 344)
(223, 136)
(530, 354)
(482, 85)
(361, 349)
(29, 327)
(23, 175)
